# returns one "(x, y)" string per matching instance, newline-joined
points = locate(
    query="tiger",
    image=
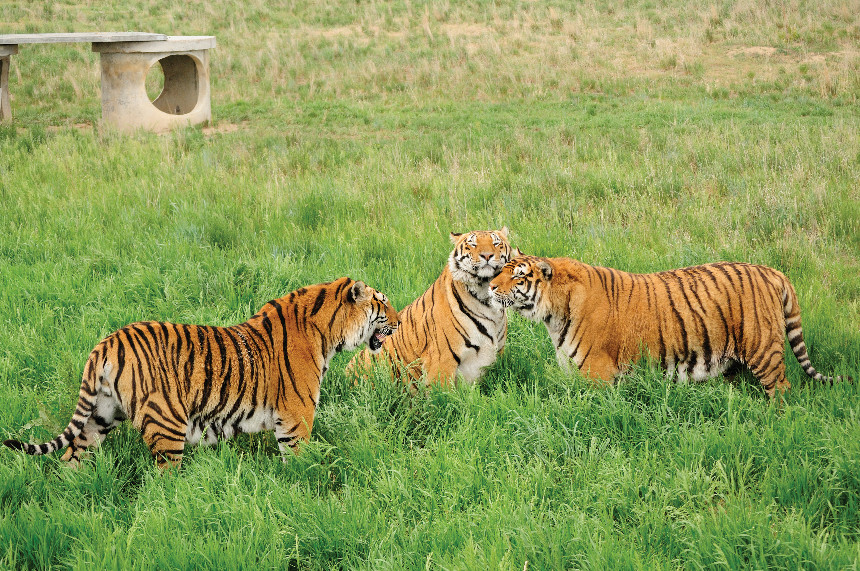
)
(182, 384)
(452, 329)
(699, 321)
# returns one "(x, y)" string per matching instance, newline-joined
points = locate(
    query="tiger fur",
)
(452, 329)
(699, 322)
(180, 384)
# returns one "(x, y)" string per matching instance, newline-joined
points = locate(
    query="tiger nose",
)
(487, 257)
(492, 288)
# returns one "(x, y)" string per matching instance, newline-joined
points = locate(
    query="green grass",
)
(350, 138)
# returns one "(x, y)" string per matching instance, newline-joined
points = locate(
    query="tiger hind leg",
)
(164, 435)
(92, 435)
(770, 372)
(105, 417)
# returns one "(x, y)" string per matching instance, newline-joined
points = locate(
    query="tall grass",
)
(350, 139)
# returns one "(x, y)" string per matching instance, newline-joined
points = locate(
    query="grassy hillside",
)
(350, 138)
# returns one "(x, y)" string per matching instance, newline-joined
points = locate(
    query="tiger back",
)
(181, 384)
(452, 328)
(698, 322)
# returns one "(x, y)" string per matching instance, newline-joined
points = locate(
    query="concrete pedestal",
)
(6, 51)
(185, 99)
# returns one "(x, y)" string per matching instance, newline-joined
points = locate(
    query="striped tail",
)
(791, 310)
(86, 405)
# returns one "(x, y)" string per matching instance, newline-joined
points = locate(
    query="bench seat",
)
(125, 59)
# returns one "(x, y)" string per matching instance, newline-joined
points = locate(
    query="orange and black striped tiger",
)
(179, 384)
(453, 329)
(699, 322)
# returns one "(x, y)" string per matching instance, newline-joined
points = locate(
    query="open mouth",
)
(376, 340)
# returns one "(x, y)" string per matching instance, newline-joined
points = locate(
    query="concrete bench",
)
(126, 57)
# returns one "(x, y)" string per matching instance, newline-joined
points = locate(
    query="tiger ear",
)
(516, 253)
(357, 292)
(454, 237)
(504, 232)
(545, 269)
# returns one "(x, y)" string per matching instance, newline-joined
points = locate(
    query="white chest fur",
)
(486, 329)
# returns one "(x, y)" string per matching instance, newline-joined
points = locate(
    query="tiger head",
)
(522, 285)
(479, 256)
(371, 317)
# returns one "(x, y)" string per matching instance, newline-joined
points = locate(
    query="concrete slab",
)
(80, 37)
(170, 43)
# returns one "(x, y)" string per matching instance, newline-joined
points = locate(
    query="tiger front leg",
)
(167, 452)
(440, 371)
(598, 366)
(292, 428)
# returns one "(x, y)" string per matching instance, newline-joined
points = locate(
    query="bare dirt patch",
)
(467, 30)
(222, 128)
(78, 126)
(330, 33)
(754, 51)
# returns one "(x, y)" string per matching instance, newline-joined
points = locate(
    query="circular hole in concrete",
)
(154, 82)
(180, 89)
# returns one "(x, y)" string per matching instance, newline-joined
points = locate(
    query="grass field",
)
(350, 138)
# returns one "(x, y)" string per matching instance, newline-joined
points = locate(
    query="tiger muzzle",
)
(501, 300)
